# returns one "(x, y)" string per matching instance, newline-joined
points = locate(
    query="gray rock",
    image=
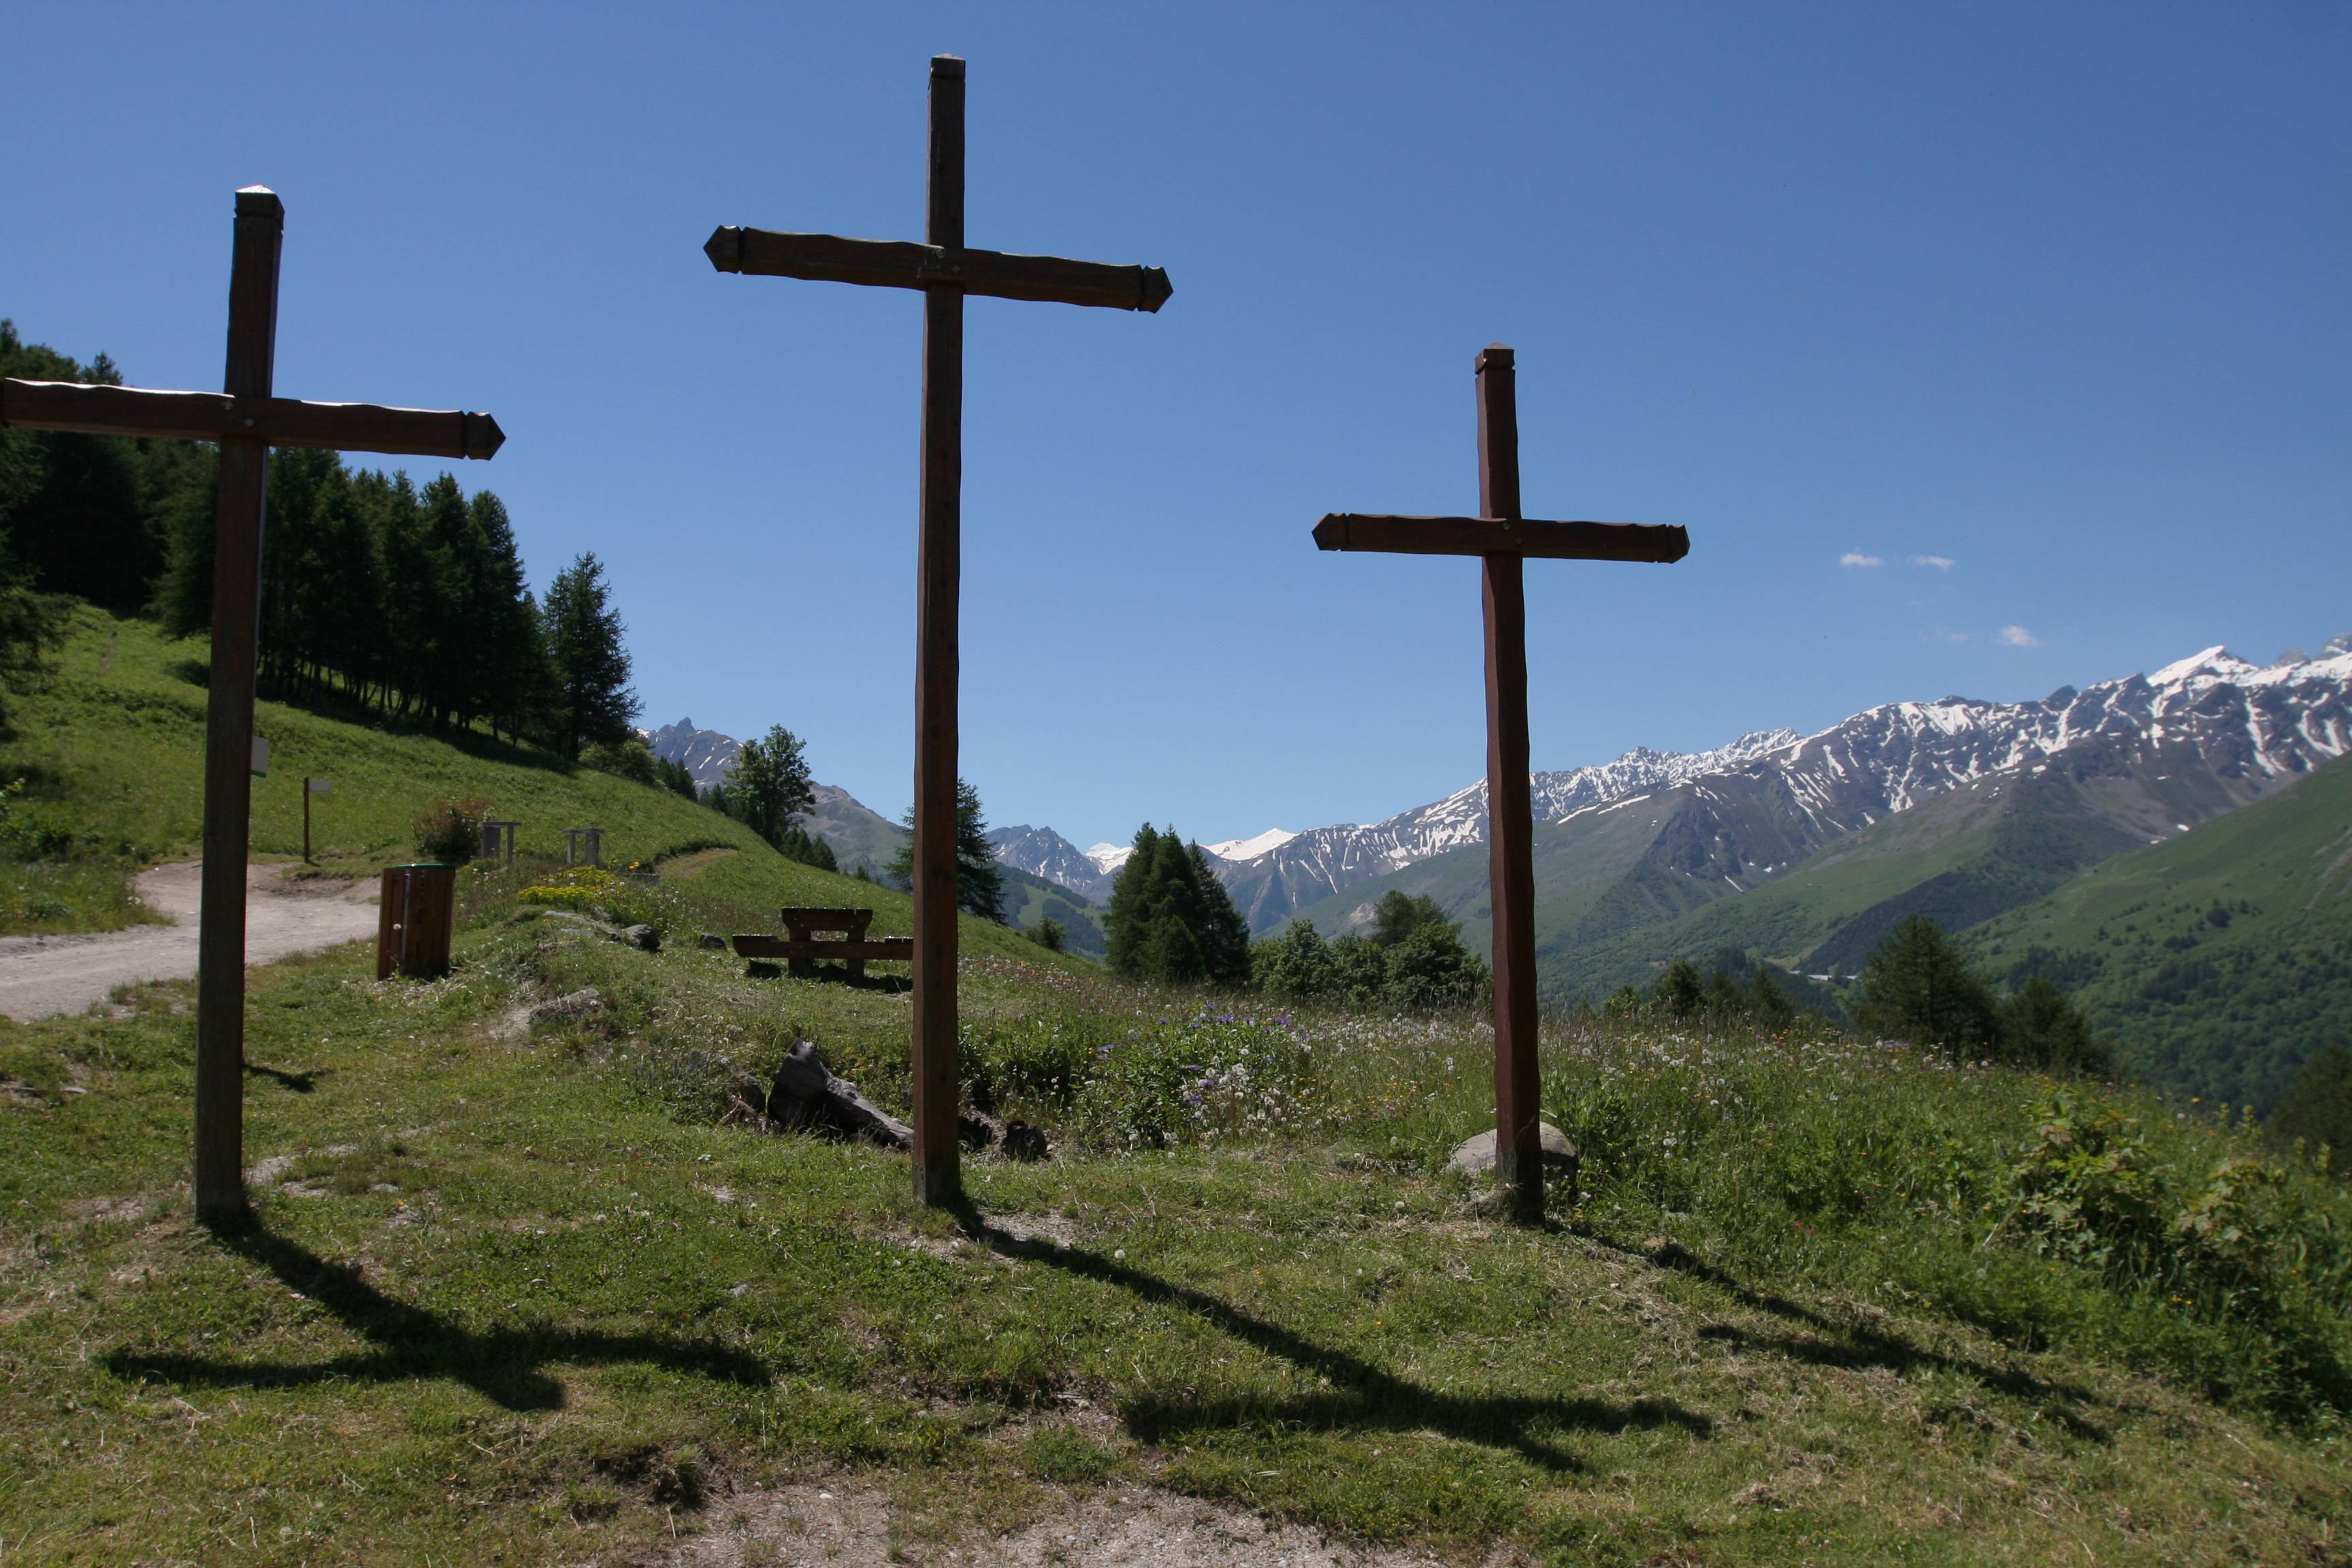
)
(1024, 1143)
(810, 1094)
(711, 941)
(1475, 1156)
(642, 937)
(566, 1008)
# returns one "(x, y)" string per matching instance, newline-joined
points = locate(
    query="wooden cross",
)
(1502, 538)
(245, 420)
(946, 270)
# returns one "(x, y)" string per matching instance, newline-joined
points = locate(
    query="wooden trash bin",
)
(413, 921)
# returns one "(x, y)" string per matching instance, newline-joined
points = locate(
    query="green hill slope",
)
(2221, 960)
(109, 744)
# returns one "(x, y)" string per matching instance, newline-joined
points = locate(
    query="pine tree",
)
(2318, 1109)
(2041, 1028)
(1171, 919)
(1679, 991)
(1917, 987)
(980, 886)
(592, 700)
(71, 506)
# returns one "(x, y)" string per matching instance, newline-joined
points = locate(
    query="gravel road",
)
(43, 975)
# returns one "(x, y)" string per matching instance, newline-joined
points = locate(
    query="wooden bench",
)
(802, 946)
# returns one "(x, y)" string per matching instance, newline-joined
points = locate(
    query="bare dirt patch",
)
(843, 1524)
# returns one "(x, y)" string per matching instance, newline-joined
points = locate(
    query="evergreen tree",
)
(1171, 919)
(592, 700)
(980, 886)
(2318, 1107)
(1422, 954)
(1917, 987)
(2041, 1028)
(797, 843)
(72, 506)
(1295, 966)
(1680, 991)
(1765, 1003)
(770, 783)
(674, 776)
(513, 677)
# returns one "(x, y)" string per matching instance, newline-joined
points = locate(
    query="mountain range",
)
(859, 835)
(2016, 825)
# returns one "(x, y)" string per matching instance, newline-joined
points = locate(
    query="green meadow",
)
(530, 1290)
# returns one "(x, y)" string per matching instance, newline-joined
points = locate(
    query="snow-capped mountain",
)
(1308, 866)
(2161, 752)
(1041, 852)
(1272, 838)
(707, 754)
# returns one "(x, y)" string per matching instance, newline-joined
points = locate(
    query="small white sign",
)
(318, 786)
(260, 756)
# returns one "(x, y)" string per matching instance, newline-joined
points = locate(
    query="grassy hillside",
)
(515, 1293)
(522, 1291)
(110, 745)
(2219, 960)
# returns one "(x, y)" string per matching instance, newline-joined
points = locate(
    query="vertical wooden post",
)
(228, 736)
(937, 1178)
(1518, 1144)
(306, 819)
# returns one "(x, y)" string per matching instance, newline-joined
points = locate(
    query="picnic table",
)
(803, 945)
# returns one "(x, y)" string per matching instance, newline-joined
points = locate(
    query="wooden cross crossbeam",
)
(247, 420)
(216, 415)
(1503, 539)
(901, 264)
(945, 271)
(1522, 537)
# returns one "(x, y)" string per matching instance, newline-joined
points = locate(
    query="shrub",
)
(452, 831)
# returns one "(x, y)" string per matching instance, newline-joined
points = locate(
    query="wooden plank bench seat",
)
(802, 946)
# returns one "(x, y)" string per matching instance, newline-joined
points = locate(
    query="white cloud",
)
(1856, 558)
(2017, 637)
(1940, 563)
(1946, 634)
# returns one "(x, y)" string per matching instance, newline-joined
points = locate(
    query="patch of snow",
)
(1249, 848)
(1109, 858)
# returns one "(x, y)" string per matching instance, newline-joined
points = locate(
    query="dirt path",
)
(42, 976)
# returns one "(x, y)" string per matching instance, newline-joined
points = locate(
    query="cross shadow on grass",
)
(1361, 1396)
(1819, 1341)
(300, 1082)
(409, 1343)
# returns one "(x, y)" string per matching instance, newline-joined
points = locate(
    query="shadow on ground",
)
(1361, 1396)
(408, 1343)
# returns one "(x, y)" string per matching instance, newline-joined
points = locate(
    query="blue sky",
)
(2053, 297)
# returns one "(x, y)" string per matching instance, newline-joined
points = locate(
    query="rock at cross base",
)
(1475, 1156)
(810, 1094)
(570, 1006)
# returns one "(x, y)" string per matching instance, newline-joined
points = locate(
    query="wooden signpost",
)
(1502, 538)
(945, 271)
(247, 420)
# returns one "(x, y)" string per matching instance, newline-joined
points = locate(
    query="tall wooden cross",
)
(245, 420)
(945, 271)
(1502, 538)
